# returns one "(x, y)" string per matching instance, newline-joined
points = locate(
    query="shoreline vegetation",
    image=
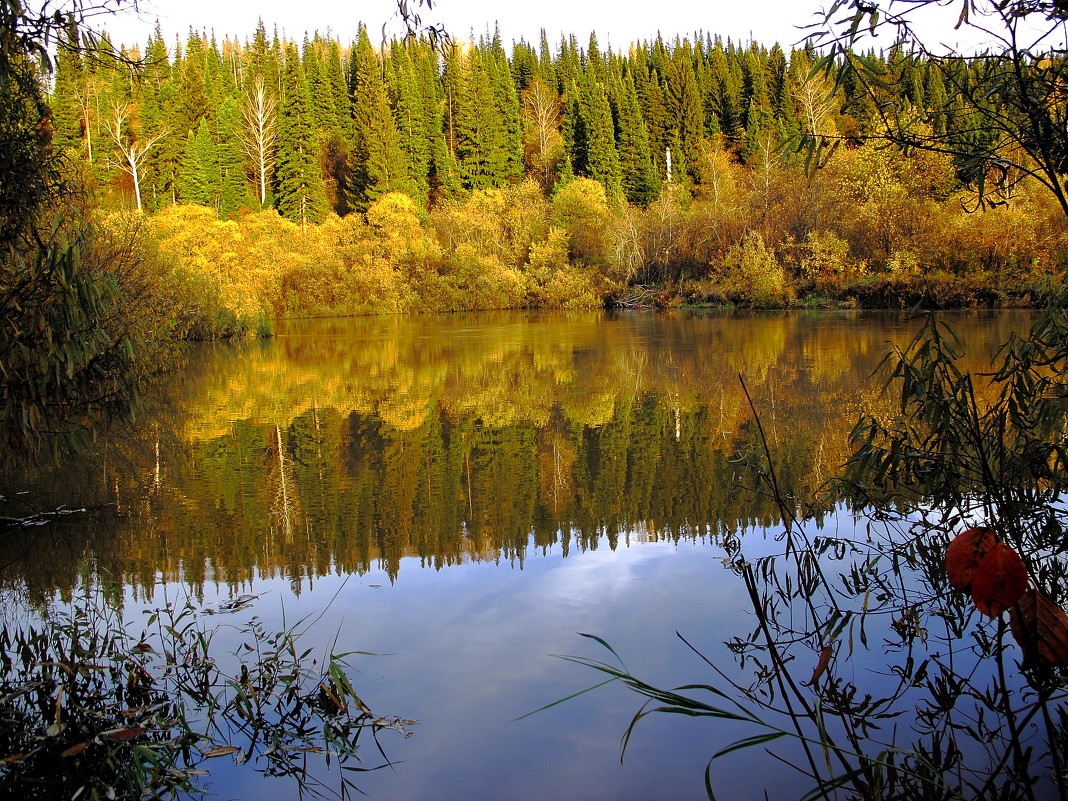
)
(331, 178)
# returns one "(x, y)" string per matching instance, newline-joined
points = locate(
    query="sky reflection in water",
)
(424, 469)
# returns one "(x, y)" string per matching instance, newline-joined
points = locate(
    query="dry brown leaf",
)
(126, 734)
(220, 750)
(74, 750)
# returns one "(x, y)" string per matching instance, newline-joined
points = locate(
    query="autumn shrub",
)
(672, 239)
(553, 282)
(464, 280)
(751, 273)
(881, 203)
(1015, 244)
(394, 217)
(474, 224)
(580, 207)
(825, 259)
(224, 273)
(524, 221)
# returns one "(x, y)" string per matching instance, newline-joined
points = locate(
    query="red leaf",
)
(964, 555)
(821, 665)
(126, 734)
(999, 581)
(1041, 629)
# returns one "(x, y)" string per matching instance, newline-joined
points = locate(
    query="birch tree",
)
(133, 150)
(542, 120)
(258, 133)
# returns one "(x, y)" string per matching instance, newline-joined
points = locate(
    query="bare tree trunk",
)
(544, 144)
(132, 150)
(259, 116)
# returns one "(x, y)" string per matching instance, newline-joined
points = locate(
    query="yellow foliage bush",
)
(580, 207)
(554, 282)
(825, 259)
(752, 273)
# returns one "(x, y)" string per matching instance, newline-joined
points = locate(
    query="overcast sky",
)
(615, 21)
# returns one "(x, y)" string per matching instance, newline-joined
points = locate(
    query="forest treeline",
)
(322, 177)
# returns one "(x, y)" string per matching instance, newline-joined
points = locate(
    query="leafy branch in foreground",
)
(917, 690)
(1002, 112)
(90, 710)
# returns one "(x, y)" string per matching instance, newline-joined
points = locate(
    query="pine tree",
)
(685, 107)
(234, 189)
(640, 182)
(299, 188)
(378, 164)
(602, 156)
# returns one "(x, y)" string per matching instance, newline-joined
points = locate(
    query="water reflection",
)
(344, 446)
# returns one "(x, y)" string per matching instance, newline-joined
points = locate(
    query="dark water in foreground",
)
(466, 493)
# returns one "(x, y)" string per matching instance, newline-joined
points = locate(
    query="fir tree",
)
(640, 182)
(299, 191)
(234, 189)
(685, 108)
(378, 164)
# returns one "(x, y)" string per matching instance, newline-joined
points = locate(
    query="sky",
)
(616, 22)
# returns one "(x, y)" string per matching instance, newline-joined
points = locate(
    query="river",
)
(462, 495)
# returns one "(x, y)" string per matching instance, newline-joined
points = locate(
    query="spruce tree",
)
(192, 185)
(602, 156)
(687, 112)
(378, 164)
(410, 114)
(157, 115)
(726, 88)
(234, 189)
(507, 100)
(299, 190)
(641, 184)
(654, 109)
(69, 84)
(192, 97)
(479, 130)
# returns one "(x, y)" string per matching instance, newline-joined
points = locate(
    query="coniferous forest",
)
(325, 176)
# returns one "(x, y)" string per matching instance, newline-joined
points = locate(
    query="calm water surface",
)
(465, 494)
